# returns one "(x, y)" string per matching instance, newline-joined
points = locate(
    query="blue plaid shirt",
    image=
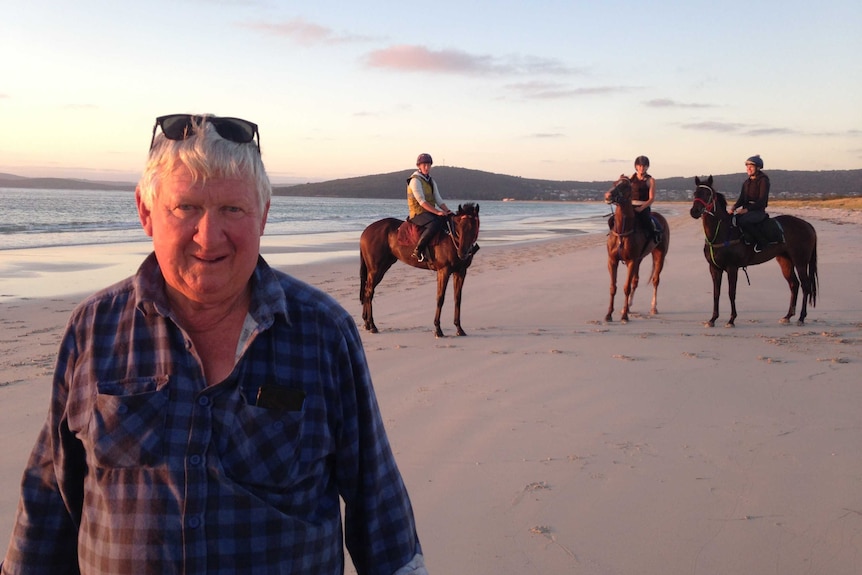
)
(142, 468)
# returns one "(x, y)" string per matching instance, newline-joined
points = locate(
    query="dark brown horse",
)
(628, 243)
(452, 254)
(725, 251)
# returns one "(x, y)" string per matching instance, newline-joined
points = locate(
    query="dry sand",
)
(549, 441)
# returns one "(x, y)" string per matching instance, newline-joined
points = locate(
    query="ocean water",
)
(34, 218)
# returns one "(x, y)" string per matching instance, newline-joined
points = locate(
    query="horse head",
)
(621, 192)
(465, 229)
(706, 199)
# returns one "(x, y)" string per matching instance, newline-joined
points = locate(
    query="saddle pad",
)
(408, 234)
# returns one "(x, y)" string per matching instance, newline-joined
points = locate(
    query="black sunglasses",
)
(181, 126)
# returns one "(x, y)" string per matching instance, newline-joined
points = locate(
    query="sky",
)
(558, 90)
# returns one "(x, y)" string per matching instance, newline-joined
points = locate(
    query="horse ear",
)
(697, 180)
(709, 181)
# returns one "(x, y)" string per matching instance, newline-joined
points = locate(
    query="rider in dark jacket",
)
(750, 208)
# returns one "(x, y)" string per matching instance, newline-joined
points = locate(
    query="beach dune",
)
(551, 441)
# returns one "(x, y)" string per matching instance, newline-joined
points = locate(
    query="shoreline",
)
(551, 441)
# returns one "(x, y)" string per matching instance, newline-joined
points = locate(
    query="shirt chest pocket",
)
(261, 447)
(128, 422)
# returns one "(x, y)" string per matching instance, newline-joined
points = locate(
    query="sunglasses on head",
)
(182, 126)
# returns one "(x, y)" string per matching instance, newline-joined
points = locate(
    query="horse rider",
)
(427, 209)
(643, 195)
(750, 208)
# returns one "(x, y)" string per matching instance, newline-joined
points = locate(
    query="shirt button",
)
(195, 459)
(203, 401)
(194, 522)
(122, 409)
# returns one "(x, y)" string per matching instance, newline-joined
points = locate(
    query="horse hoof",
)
(461, 332)
(730, 324)
(784, 320)
(373, 330)
(801, 322)
(709, 324)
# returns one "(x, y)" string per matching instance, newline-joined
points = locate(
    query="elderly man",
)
(208, 412)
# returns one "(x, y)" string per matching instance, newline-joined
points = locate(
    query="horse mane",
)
(468, 209)
(720, 202)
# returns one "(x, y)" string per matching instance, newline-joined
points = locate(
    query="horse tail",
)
(813, 279)
(363, 276)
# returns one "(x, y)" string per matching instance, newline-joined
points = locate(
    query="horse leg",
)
(716, 274)
(629, 287)
(657, 266)
(458, 285)
(793, 282)
(442, 282)
(732, 275)
(370, 278)
(612, 269)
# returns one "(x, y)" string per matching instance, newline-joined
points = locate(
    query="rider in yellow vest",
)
(427, 209)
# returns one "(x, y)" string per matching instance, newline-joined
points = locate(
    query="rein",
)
(709, 208)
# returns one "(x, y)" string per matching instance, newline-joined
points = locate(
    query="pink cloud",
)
(421, 59)
(303, 32)
(409, 58)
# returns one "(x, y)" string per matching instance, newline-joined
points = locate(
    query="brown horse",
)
(452, 254)
(725, 251)
(628, 243)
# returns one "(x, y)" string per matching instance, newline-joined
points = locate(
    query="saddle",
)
(408, 233)
(769, 230)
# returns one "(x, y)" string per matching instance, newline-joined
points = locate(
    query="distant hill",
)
(12, 181)
(466, 184)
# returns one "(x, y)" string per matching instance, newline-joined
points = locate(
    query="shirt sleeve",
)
(380, 531)
(45, 534)
(416, 190)
(437, 197)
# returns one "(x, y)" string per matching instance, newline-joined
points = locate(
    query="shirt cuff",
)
(416, 566)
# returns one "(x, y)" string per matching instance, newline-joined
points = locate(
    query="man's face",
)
(206, 235)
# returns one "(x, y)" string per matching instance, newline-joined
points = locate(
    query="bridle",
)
(458, 239)
(708, 207)
(615, 194)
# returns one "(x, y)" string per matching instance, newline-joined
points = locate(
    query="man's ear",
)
(144, 213)
(263, 219)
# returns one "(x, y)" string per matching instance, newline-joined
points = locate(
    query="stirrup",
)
(419, 255)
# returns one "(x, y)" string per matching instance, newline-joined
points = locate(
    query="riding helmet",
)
(756, 160)
(642, 161)
(424, 159)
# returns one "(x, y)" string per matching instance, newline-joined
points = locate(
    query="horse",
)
(725, 251)
(629, 243)
(452, 253)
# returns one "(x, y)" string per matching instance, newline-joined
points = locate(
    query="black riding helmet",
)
(424, 159)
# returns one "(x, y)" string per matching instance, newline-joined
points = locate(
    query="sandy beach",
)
(550, 441)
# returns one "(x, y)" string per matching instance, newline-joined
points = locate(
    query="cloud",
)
(713, 126)
(555, 91)
(668, 103)
(411, 58)
(306, 33)
(547, 135)
(770, 132)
